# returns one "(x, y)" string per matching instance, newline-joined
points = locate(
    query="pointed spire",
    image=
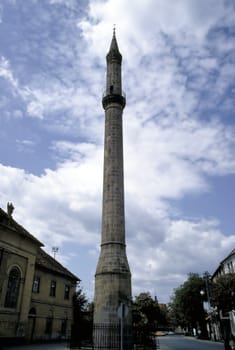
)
(114, 53)
(114, 45)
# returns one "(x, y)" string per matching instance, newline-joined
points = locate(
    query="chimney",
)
(10, 209)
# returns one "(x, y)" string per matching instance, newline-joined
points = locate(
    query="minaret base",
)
(112, 336)
(112, 319)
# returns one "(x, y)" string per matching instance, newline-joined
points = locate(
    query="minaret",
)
(113, 278)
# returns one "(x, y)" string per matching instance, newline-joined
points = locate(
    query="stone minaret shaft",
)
(113, 278)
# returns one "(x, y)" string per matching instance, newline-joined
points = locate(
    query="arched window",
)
(13, 288)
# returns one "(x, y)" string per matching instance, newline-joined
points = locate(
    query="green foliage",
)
(147, 313)
(79, 303)
(223, 292)
(82, 322)
(187, 304)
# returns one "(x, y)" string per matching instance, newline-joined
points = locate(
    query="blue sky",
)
(179, 131)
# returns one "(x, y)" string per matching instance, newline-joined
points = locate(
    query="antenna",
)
(55, 250)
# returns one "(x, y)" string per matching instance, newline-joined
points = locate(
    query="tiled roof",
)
(45, 261)
(10, 223)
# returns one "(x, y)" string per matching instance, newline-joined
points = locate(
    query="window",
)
(36, 284)
(63, 327)
(48, 328)
(53, 289)
(1, 255)
(13, 287)
(66, 292)
(230, 267)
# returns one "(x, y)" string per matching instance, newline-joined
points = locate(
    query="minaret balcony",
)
(114, 98)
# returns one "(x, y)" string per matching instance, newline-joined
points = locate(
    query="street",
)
(178, 342)
(173, 342)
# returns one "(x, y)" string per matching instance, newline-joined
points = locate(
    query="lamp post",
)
(208, 309)
(206, 277)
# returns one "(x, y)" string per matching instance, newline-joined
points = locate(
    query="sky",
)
(178, 74)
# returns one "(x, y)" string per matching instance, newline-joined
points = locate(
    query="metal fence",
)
(112, 336)
(115, 336)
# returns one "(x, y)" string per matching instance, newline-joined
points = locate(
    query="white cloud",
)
(71, 193)
(168, 159)
(187, 247)
(25, 145)
(5, 72)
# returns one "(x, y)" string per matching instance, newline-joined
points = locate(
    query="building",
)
(112, 304)
(218, 321)
(35, 290)
(227, 265)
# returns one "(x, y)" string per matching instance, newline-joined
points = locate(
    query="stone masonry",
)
(113, 277)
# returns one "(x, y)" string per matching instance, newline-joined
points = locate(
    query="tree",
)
(187, 305)
(223, 292)
(79, 302)
(147, 313)
(222, 296)
(80, 327)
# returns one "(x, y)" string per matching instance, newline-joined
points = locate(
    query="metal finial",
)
(114, 28)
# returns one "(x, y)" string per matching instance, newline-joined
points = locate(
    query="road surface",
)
(178, 342)
(171, 342)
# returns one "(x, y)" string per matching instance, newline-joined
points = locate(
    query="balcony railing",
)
(113, 98)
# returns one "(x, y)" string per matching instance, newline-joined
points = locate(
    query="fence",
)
(112, 336)
(104, 336)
